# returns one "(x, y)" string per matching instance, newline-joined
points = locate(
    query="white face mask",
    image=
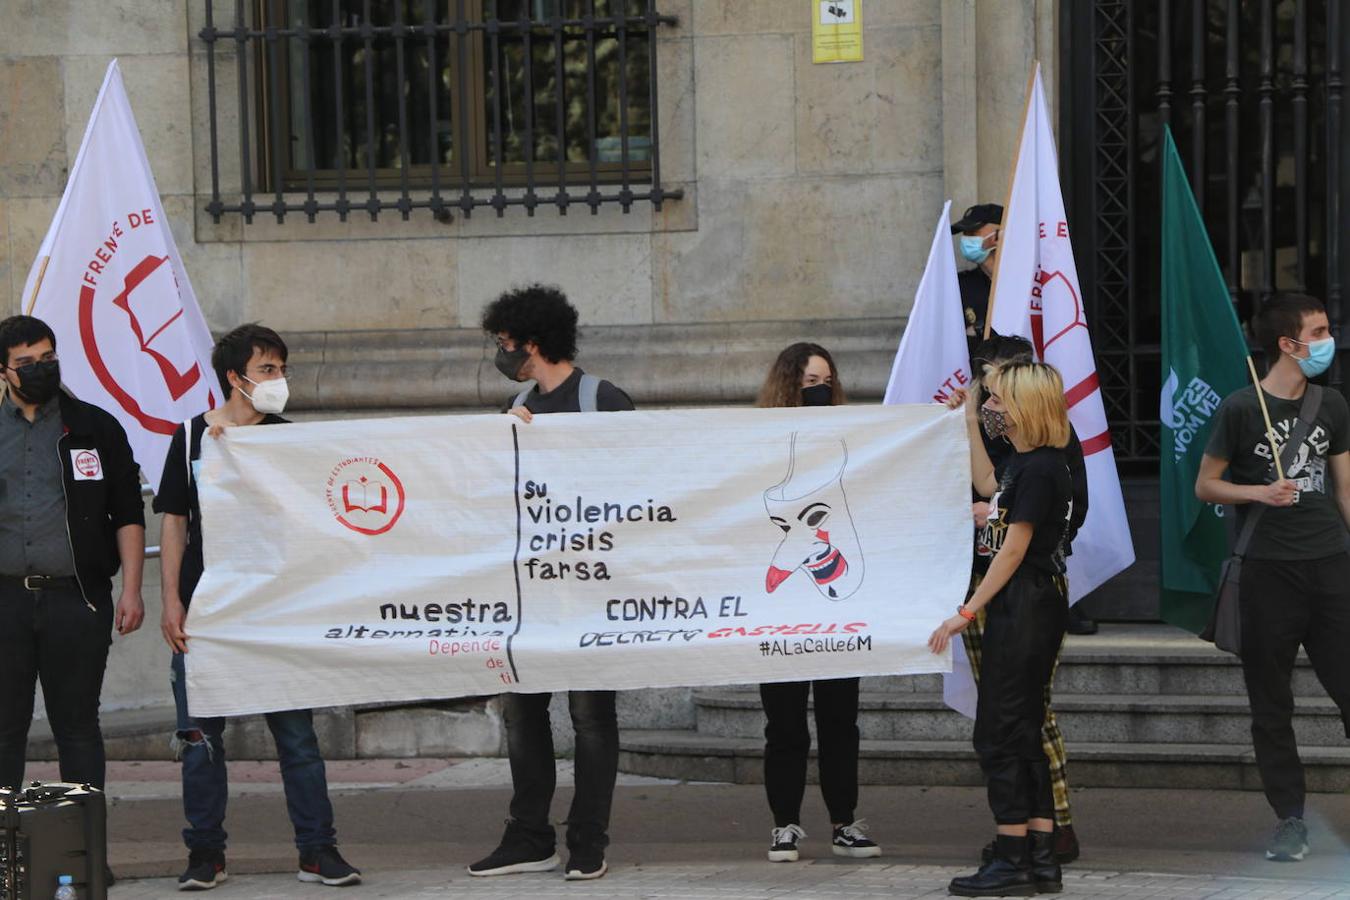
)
(269, 397)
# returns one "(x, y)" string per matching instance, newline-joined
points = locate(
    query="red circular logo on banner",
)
(365, 495)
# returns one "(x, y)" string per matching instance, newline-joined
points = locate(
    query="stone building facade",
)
(810, 195)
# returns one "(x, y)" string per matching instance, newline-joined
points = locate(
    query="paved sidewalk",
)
(413, 825)
(820, 880)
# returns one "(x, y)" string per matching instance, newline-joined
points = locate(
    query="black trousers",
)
(1286, 603)
(53, 636)
(529, 740)
(1023, 630)
(787, 745)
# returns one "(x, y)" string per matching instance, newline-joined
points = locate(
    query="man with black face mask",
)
(535, 329)
(70, 516)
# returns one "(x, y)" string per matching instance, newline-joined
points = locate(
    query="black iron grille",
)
(368, 106)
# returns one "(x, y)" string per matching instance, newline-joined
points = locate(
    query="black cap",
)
(979, 215)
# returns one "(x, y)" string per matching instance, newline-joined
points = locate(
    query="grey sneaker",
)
(1290, 841)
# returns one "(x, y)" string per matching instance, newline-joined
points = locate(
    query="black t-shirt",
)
(1312, 528)
(1000, 453)
(1034, 488)
(178, 496)
(566, 397)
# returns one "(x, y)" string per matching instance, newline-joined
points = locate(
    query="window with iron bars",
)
(370, 106)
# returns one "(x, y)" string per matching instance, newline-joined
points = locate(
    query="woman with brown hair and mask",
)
(805, 375)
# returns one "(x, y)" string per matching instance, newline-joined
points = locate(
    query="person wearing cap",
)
(979, 230)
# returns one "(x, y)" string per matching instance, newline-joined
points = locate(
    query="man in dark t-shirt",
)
(1295, 581)
(250, 363)
(535, 329)
(978, 229)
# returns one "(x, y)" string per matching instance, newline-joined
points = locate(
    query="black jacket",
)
(97, 507)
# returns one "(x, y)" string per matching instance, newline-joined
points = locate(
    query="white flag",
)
(1036, 295)
(933, 360)
(109, 281)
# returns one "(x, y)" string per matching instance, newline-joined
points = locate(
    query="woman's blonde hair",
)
(1033, 395)
(783, 385)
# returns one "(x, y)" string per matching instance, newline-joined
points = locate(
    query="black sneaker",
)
(1290, 841)
(1079, 623)
(326, 866)
(852, 841)
(784, 846)
(205, 870)
(585, 865)
(516, 854)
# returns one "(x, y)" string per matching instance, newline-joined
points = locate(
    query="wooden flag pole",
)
(1265, 414)
(37, 286)
(1007, 202)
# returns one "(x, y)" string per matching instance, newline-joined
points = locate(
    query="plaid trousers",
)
(1052, 740)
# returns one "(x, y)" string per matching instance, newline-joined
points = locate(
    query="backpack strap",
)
(520, 398)
(588, 393)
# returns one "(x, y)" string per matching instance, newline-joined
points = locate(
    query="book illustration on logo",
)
(150, 299)
(357, 496)
(809, 505)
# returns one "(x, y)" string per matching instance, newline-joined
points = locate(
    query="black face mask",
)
(509, 362)
(39, 382)
(818, 395)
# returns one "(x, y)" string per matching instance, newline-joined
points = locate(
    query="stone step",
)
(1129, 718)
(690, 756)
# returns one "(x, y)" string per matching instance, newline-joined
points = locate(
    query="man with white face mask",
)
(1295, 581)
(250, 363)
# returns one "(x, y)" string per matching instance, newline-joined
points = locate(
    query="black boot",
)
(1008, 874)
(1045, 870)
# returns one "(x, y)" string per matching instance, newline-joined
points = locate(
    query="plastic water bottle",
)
(66, 890)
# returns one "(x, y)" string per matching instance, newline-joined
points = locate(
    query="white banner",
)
(429, 557)
(109, 281)
(1036, 295)
(933, 360)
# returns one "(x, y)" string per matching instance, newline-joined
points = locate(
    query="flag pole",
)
(37, 286)
(1007, 202)
(1265, 414)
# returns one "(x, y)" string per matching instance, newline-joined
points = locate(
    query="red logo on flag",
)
(365, 495)
(152, 309)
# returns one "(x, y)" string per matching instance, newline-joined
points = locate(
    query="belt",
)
(41, 582)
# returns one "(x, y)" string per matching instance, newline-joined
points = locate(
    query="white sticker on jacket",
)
(86, 465)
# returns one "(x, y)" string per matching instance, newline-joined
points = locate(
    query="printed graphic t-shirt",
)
(1312, 528)
(1034, 488)
(1000, 454)
(178, 496)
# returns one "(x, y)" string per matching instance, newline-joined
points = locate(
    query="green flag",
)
(1204, 359)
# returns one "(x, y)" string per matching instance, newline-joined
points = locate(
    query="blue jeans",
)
(201, 746)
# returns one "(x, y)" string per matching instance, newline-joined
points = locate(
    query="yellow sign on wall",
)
(836, 31)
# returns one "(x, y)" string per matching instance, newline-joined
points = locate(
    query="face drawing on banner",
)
(818, 534)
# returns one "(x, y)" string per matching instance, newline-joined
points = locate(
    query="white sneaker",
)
(784, 846)
(852, 841)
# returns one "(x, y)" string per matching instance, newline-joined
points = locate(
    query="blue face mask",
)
(973, 249)
(1320, 355)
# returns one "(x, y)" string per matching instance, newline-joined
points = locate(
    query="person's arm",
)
(1001, 569)
(982, 476)
(127, 516)
(130, 607)
(1211, 487)
(173, 540)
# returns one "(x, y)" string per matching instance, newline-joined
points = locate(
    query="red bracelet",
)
(964, 613)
